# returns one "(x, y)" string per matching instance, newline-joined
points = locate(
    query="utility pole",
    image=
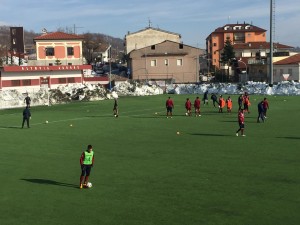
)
(272, 8)
(109, 55)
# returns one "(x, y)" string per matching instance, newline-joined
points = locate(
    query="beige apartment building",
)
(147, 37)
(166, 61)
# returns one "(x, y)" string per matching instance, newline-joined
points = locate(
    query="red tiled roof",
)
(260, 45)
(294, 59)
(58, 36)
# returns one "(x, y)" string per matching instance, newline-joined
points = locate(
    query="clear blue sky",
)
(193, 19)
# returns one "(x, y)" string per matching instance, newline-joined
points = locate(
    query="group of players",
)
(243, 103)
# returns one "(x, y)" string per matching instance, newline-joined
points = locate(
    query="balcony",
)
(257, 61)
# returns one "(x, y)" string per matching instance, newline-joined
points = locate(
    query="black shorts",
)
(86, 170)
(169, 109)
(242, 125)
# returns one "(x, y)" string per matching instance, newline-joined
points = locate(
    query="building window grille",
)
(153, 62)
(26, 82)
(62, 80)
(15, 83)
(179, 62)
(49, 51)
(70, 51)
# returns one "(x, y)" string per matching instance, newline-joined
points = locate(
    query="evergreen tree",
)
(228, 54)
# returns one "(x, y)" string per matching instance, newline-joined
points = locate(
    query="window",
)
(62, 80)
(239, 38)
(281, 71)
(49, 51)
(26, 82)
(152, 47)
(153, 62)
(15, 83)
(166, 62)
(70, 51)
(179, 62)
(13, 31)
(71, 80)
(290, 72)
(14, 41)
(180, 46)
(215, 44)
(69, 64)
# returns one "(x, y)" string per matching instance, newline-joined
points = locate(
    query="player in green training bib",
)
(86, 162)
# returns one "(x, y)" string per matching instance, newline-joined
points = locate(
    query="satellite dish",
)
(44, 31)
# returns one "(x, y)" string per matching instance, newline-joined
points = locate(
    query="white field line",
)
(86, 117)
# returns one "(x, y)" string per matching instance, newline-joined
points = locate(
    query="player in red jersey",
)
(241, 121)
(266, 106)
(170, 107)
(197, 104)
(246, 101)
(188, 107)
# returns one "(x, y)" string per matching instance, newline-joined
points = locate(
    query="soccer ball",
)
(46, 121)
(186, 114)
(89, 185)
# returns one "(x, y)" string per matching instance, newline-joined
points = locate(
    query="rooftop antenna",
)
(149, 23)
(75, 29)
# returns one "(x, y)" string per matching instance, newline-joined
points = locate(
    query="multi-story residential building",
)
(166, 61)
(147, 37)
(237, 33)
(156, 54)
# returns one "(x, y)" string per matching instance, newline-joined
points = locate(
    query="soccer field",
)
(147, 174)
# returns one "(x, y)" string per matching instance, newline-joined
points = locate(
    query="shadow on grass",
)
(49, 182)
(212, 135)
(10, 127)
(292, 138)
(96, 116)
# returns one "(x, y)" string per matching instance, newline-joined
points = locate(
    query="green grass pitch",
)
(146, 174)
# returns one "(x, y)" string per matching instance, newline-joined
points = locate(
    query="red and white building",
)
(59, 61)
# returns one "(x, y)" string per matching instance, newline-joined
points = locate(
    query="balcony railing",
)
(257, 61)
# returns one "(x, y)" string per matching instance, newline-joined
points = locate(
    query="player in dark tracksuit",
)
(240, 102)
(26, 116)
(27, 100)
(214, 99)
(261, 112)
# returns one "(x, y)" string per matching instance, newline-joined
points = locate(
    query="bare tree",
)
(91, 43)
